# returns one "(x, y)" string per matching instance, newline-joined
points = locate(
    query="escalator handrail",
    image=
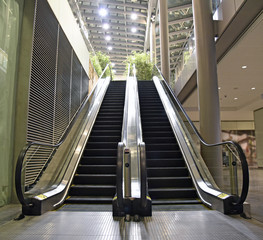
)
(141, 149)
(121, 146)
(245, 172)
(22, 154)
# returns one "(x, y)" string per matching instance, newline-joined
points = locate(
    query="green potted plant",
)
(143, 65)
(100, 61)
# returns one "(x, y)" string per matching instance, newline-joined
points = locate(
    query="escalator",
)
(95, 178)
(169, 181)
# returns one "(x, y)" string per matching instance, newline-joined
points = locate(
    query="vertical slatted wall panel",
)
(76, 85)
(57, 89)
(63, 86)
(43, 75)
(85, 84)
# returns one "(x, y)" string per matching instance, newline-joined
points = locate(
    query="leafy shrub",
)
(143, 64)
(100, 61)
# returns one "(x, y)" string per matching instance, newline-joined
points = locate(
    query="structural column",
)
(164, 39)
(209, 109)
(152, 41)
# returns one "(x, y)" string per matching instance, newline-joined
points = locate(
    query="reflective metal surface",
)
(172, 225)
(51, 189)
(207, 190)
(132, 132)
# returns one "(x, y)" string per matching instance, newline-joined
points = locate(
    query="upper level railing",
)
(236, 154)
(35, 157)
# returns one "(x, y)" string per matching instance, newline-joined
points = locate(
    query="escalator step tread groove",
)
(168, 177)
(95, 178)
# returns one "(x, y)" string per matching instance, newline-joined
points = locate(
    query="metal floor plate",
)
(182, 225)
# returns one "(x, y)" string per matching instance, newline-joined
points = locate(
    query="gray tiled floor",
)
(162, 225)
(181, 224)
(255, 193)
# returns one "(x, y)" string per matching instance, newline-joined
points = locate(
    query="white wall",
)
(69, 25)
(225, 12)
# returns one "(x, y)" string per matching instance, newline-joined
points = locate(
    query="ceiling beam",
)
(113, 36)
(178, 8)
(131, 5)
(117, 18)
(118, 31)
(99, 23)
(85, 8)
(116, 43)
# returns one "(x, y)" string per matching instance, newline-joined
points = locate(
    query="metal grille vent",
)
(62, 103)
(43, 76)
(58, 85)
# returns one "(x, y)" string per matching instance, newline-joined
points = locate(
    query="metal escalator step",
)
(96, 169)
(109, 118)
(89, 200)
(98, 179)
(159, 134)
(118, 123)
(163, 154)
(105, 132)
(95, 179)
(104, 138)
(172, 162)
(168, 171)
(102, 145)
(157, 139)
(92, 190)
(95, 160)
(161, 146)
(175, 201)
(170, 182)
(100, 152)
(162, 193)
(106, 127)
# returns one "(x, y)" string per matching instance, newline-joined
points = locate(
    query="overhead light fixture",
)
(253, 88)
(219, 88)
(103, 12)
(133, 16)
(244, 67)
(106, 26)
(110, 48)
(134, 29)
(235, 98)
(108, 38)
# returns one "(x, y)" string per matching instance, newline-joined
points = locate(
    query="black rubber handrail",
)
(245, 172)
(21, 157)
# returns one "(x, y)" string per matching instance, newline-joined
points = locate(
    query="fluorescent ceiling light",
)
(235, 98)
(244, 67)
(134, 30)
(253, 88)
(133, 16)
(108, 38)
(106, 26)
(103, 12)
